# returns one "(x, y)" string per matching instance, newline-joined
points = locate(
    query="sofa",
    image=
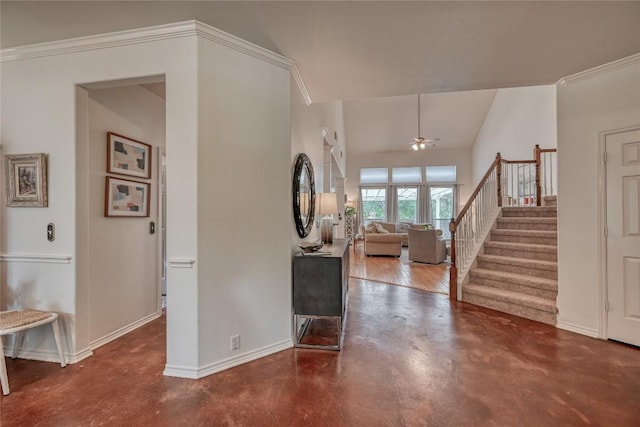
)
(384, 238)
(380, 238)
(427, 246)
(399, 228)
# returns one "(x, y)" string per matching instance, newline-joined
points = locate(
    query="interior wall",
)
(461, 158)
(518, 119)
(244, 205)
(333, 120)
(123, 256)
(587, 107)
(40, 109)
(307, 122)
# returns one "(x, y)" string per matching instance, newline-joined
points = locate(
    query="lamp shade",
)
(327, 204)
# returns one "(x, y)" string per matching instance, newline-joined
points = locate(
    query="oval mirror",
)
(304, 195)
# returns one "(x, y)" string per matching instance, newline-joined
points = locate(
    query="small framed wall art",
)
(126, 156)
(26, 178)
(124, 197)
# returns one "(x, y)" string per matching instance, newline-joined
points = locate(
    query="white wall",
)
(333, 119)
(518, 119)
(587, 106)
(307, 122)
(40, 112)
(461, 158)
(214, 202)
(244, 205)
(123, 255)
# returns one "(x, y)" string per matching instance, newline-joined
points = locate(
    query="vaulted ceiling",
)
(355, 50)
(360, 49)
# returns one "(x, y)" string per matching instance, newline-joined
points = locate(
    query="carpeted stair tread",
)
(514, 309)
(515, 278)
(529, 219)
(521, 246)
(525, 233)
(536, 211)
(528, 223)
(520, 262)
(550, 201)
(515, 298)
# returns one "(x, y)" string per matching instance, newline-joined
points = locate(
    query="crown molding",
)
(600, 69)
(218, 36)
(151, 34)
(301, 86)
(99, 41)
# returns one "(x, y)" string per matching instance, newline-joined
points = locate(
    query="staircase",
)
(518, 271)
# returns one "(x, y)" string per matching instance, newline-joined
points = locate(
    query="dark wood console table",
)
(320, 290)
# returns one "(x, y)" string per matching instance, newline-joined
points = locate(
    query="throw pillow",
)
(371, 228)
(402, 227)
(380, 229)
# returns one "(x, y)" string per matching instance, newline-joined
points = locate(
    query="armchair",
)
(427, 246)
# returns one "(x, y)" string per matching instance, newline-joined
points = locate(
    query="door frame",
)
(603, 287)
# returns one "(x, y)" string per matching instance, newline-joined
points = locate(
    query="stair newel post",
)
(453, 269)
(499, 177)
(536, 156)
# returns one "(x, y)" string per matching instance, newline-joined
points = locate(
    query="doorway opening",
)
(121, 258)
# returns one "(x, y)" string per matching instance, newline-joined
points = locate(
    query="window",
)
(400, 195)
(407, 202)
(374, 204)
(374, 176)
(406, 175)
(441, 174)
(442, 207)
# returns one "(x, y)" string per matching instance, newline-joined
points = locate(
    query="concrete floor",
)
(410, 358)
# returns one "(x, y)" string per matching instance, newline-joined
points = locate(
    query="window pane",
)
(441, 174)
(406, 175)
(374, 204)
(374, 175)
(442, 204)
(407, 204)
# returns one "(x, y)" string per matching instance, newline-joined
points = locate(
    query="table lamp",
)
(327, 207)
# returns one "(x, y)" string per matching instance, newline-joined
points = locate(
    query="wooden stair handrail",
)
(484, 179)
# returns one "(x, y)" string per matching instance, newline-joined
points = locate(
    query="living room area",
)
(393, 190)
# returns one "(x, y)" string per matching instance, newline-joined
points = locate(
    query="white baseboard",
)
(79, 356)
(578, 329)
(212, 368)
(180, 372)
(124, 330)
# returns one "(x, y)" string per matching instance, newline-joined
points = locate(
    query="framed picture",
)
(26, 178)
(126, 156)
(124, 197)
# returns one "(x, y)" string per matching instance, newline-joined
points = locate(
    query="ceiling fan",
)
(419, 142)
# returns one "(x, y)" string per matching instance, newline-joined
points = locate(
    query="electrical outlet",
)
(235, 342)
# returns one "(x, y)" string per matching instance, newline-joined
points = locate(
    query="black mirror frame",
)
(303, 162)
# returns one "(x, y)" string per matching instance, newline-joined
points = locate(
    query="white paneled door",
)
(623, 235)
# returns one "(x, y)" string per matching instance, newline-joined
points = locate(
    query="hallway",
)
(409, 358)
